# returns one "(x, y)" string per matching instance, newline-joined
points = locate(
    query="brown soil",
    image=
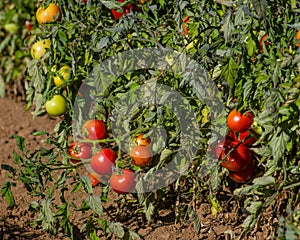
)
(15, 222)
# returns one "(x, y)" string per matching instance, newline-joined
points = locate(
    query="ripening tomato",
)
(124, 182)
(298, 38)
(238, 159)
(94, 129)
(141, 155)
(117, 14)
(142, 141)
(244, 175)
(49, 14)
(95, 178)
(38, 49)
(238, 122)
(62, 75)
(56, 106)
(104, 161)
(79, 151)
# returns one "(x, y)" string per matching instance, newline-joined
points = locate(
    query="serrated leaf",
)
(264, 181)
(20, 142)
(7, 193)
(95, 204)
(227, 27)
(117, 229)
(194, 216)
(87, 184)
(230, 72)
(255, 208)
(278, 144)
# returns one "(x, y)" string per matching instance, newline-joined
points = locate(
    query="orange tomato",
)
(49, 14)
(298, 38)
(142, 141)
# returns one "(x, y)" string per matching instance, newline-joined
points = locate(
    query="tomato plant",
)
(227, 39)
(123, 182)
(103, 162)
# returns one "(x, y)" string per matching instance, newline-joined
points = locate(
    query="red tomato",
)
(28, 26)
(244, 175)
(238, 122)
(78, 151)
(142, 141)
(184, 25)
(238, 159)
(95, 179)
(263, 41)
(103, 162)
(249, 140)
(94, 129)
(125, 10)
(124, 182)
(141, 155)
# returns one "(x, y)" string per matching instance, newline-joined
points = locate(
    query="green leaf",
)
(230, 72)
(2, 87)
(264, 181)
(228, 27)
(278, 144)
(194, 216)
(87, 184)
(8, 168)
(95, 204)
(255, 208)
(7, 193)
(20, 142)
(117, 229)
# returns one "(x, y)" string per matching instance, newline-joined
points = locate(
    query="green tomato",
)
(251, 47)
(38, 49)
(56, 106)
(11, 28)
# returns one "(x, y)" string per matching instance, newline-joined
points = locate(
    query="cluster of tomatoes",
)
(103, 159)
(234, 150)
(57, 105)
